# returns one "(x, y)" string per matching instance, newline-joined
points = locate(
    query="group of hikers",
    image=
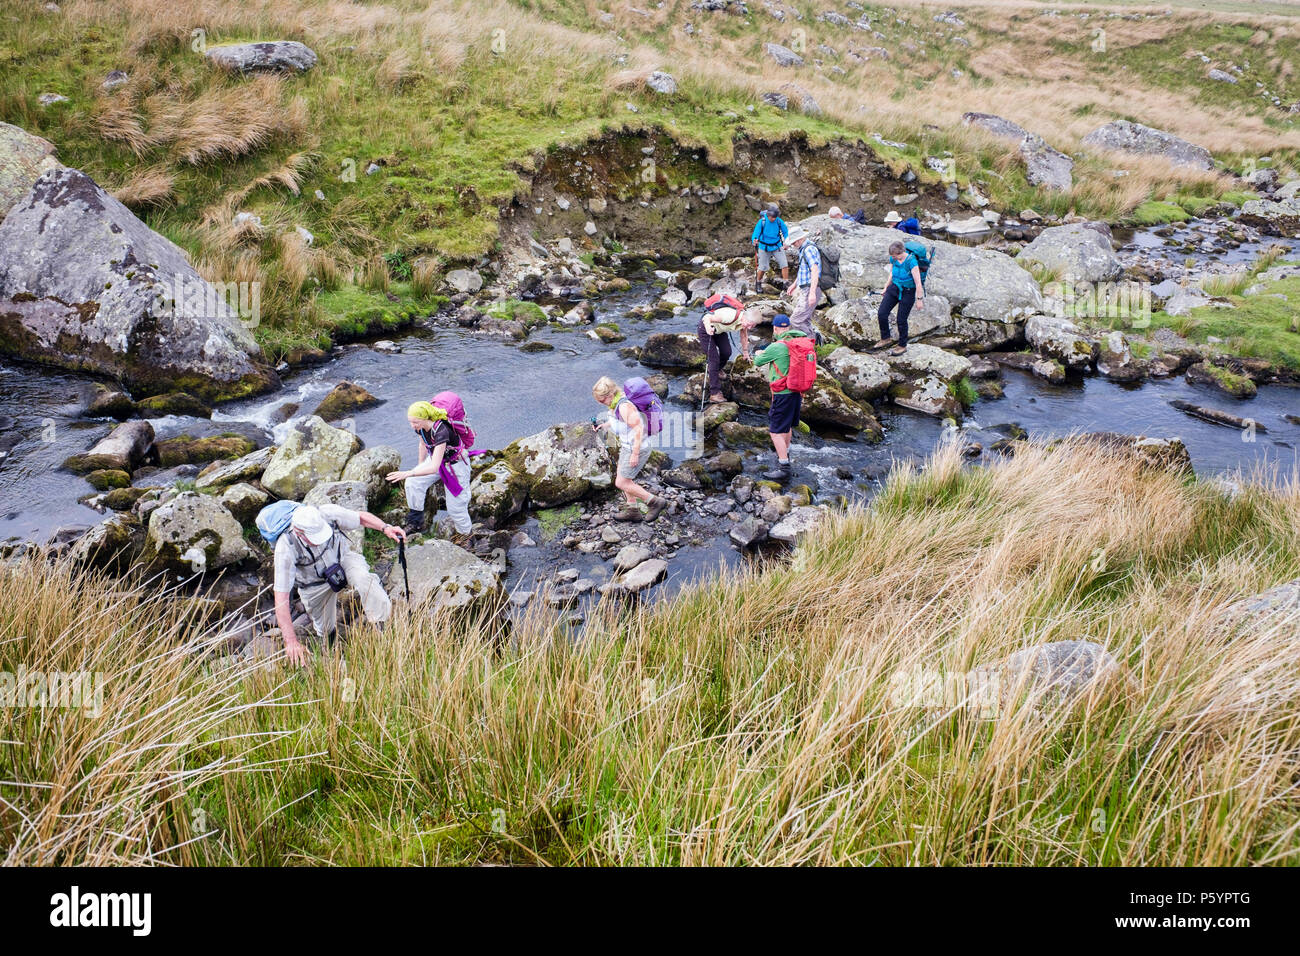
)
(311, 548)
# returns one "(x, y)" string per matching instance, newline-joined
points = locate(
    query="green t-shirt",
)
(777, 358)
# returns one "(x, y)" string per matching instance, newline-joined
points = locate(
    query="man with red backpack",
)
(634, 415)
(443, 456)
(723, 314)
(791, 362)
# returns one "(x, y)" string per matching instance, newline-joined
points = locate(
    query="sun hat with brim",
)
(312, 524)
(797, 233)
(893, 216)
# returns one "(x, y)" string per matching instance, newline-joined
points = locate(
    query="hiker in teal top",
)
(784, 413)
(768, 240)
(904, 290)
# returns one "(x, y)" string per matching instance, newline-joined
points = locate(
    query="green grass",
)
(1261, 325)
(1154, 212)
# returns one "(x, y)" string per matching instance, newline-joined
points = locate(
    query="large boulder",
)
(314, 451)
(797, 523)
(1079, 252)
(23, 158)
(825, 404)
(108, 545)
(920, 360)
(1126, 137)
(193, 533)
(996, 125)
(274, 56)
(854, 323)
(244, 501)
(85, 285)
(345, 494)
(929, 395)
(561, 464)
(444, 576)
(1059, 338)
(976, 283)
(1045, 166)
(863, 378)
(122, 449)
(1277, 608)
(497, 494)
(371, 466)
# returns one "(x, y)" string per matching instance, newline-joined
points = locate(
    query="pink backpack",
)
(450, 403)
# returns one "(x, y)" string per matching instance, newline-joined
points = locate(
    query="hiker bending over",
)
(723, 314)
(315, 554)
(443, 457)
(904, 290)
(791, 366)
(805, 290)
(768, 240)
(628, 422)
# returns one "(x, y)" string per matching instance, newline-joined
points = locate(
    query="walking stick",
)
(401, 557)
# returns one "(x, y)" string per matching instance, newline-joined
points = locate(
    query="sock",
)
(783, 461)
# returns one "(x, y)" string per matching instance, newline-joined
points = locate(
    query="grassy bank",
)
(447, 100)
(752, 719)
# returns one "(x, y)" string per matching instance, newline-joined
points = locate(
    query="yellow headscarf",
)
(426, 410)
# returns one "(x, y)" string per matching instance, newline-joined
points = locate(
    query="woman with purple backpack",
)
(444, 456)
(631, 425)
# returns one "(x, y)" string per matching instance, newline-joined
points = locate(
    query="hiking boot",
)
(462, 539)
(883, 344)
(716, 398)
(414, 522)
(657, 504)
(780, 473)
(629, 513)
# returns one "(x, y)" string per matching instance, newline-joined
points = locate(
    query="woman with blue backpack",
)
(443, 456)
(635, 414)
(905, 289)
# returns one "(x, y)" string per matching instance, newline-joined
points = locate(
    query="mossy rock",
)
(124, 499)
(1226, 380)
(185, 450)
(104, 479)
(173, 403)
(736, 435)
(344, 399)
(800, 495)
(537, 346)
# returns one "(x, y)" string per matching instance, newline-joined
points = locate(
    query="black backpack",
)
(830, 270)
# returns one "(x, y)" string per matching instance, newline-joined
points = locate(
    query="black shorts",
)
(784, 414)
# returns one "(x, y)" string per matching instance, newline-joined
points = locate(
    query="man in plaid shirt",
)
(804, 291)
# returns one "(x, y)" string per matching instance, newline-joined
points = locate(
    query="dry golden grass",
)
(152, 186)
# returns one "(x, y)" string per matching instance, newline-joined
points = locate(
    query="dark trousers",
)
(904, 300)
(717, 348)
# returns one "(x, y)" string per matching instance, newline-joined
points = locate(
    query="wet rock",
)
(173, 403)
(1274, 218)
(185, 450)
(736, 435)
(445, 576)
(644, 575)
(1218, 416)
(920, 360)
(345, 399)
(715, 415)
(797, 523)
(313, 452)
(1078, 252)
(748, 532)
(1060, 339)
(630, 556)
(273, 56)
(672, 350)
(1129, 137)
(85, 285)
(372, 465)
(244, 501)
(123, 499)
(1115, 359)
(194, 533)
(104, 479)
(345, 494)
(1225, 380)
(775, 508)
(723, 465)
(110, 403)
(580, 314)
(248, 468)
(928, 395)
(690, 475)
(122, 450)
(561, 464)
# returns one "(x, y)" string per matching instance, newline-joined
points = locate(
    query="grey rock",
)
(274, 56)
(1045, 166)
(749, 532)
(23, 158)
(782, 55)
(999, 127)
(345, 494)
(1128, 137)
(314, 451)
(561, 464)
(370, 466)
(464, 280)
(445, 576)
(122, 449)
(661, 82)
(222, 473)
(193, 533)
(244, 501)
(797, 523)
(497, 494)
(630, 556)
(1079, 252)
(644, 575)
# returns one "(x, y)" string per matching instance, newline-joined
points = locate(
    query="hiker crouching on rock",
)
(805, 291)
(789, 346)
(628, 423)
(442, 458)
(314, 554)
(904, 290)
(723, 314)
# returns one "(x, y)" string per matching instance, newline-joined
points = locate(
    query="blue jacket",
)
(770, 233)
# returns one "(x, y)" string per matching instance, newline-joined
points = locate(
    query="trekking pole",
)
(401, 558)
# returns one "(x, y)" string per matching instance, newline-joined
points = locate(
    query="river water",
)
(509, 393)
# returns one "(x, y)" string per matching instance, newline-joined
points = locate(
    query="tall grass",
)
(753, 719)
